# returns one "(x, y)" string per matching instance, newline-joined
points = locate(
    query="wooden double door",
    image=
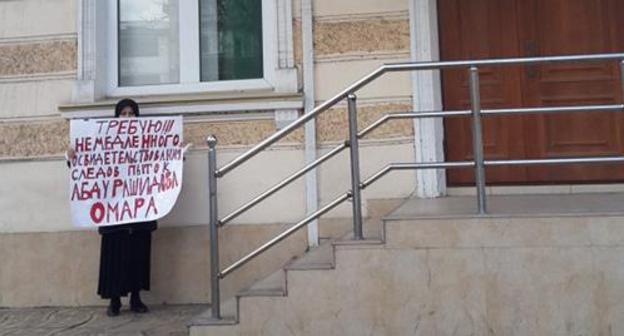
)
(477, 29)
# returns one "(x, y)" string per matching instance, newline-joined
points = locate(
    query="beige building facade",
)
(66, 59)
(55, 66)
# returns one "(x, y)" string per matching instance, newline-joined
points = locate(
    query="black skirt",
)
(125, 259)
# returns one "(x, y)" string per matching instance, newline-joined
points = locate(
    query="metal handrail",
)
(318, 213)
(395, 67)
(479, 163)
(412, 166)
(282, 184)
(459, 113)
(407, 115)
(465, 164)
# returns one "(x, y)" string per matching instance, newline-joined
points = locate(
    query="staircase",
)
(528, 265)
(535, 265)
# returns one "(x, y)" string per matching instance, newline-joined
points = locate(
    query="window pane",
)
(148, 42)
(231, 39)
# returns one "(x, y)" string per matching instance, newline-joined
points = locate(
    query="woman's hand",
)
(70, 154)
(186, 147)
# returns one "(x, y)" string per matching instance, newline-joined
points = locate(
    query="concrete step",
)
(321, 257)
(512, 221)
(349, 242)
(548, 273)
(511, 206)
(229, 316)
(375, 209)
(273, 285)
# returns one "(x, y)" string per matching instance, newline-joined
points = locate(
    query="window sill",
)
(192, 88)
(191, 104)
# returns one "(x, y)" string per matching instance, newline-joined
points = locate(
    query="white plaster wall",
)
(37, 17)
(288, 204)
(241, 185)
(335, 175)
(34, 194)
(27, 99)
(333, 77)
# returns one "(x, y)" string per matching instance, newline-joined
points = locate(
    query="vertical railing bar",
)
(215, 296)
(622, 78)
(355, 168)
(477, 138)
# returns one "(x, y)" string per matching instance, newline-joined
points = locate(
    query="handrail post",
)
(477, 138)
(211, 140)
(622, 78)
(356, 196)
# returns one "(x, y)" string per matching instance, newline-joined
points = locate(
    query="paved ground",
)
(161, 320)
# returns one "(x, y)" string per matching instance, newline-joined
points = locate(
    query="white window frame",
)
(189, 56)
(98, 55)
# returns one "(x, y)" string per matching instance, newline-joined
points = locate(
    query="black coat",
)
(141, 226)
(125, 256)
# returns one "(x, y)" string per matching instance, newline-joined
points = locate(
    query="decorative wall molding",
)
(385, 55)
(345, 39)
(37, 38)
(39, 77)
(376, 101)
(333, 124)
(27, 139)
(41, 57)
(389, 16)
(367, 35)
(23, 120)
(49, 137)
(190, 105)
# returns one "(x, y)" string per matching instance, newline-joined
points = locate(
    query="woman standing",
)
(125, 252)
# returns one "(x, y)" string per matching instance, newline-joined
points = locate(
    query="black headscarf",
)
(123, 104)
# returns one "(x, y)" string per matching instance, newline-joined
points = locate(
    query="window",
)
(156, 47)
(230, 39)
(148, 38)
(181, 46)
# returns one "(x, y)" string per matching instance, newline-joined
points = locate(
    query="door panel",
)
(468, 33)
(509, 28)
(557, 27)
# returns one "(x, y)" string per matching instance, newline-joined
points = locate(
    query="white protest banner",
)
(125, 170)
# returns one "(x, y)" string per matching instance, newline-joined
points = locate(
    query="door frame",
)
(427, 96)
